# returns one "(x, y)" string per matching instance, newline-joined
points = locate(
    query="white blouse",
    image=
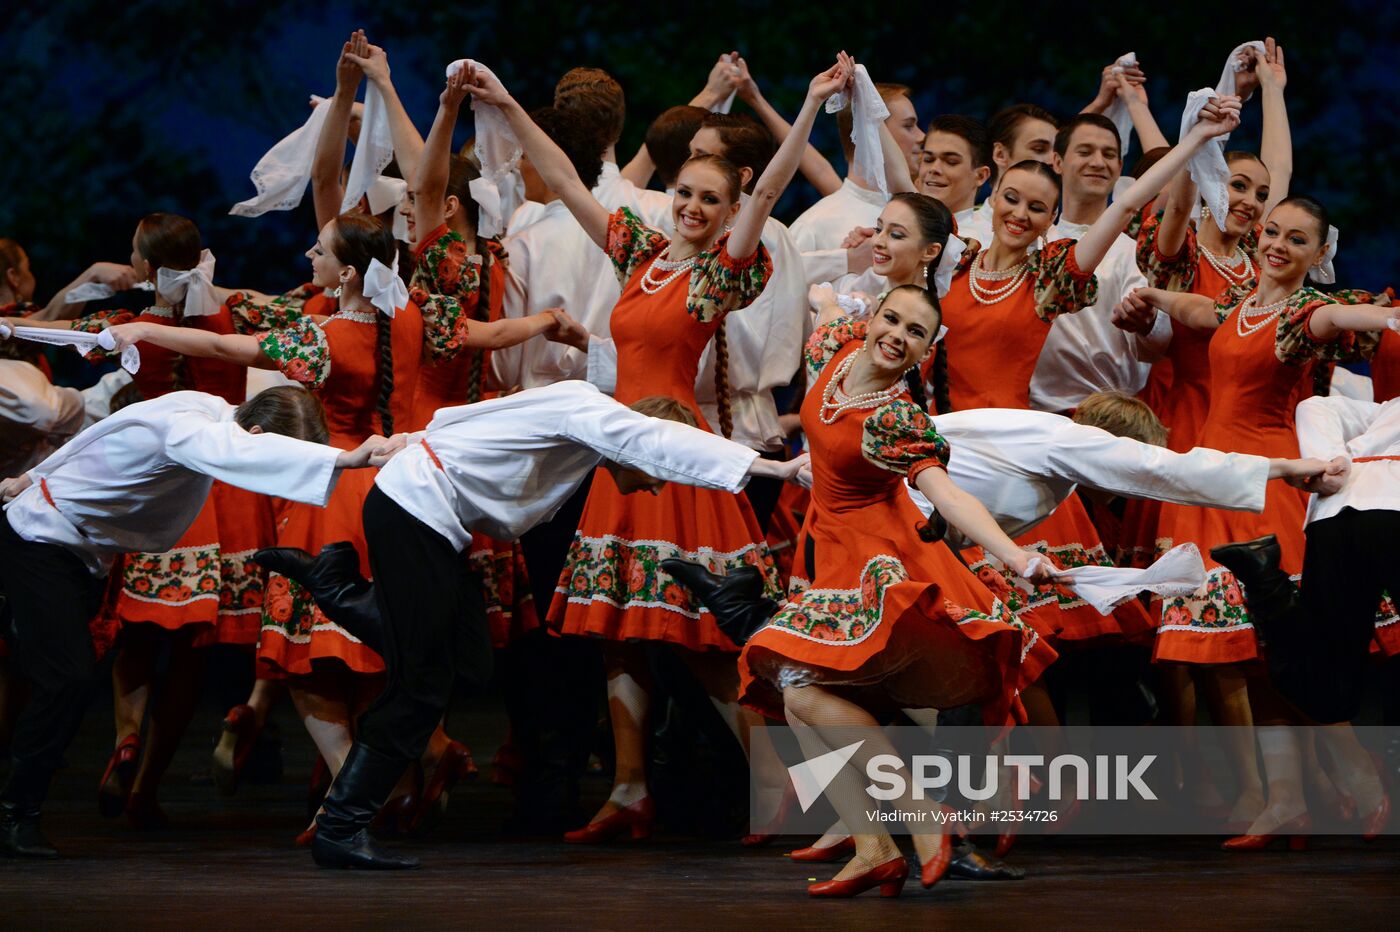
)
(1331, 426)
(1084, 352)
(136, 480)
(1022, 464)
(502, 466)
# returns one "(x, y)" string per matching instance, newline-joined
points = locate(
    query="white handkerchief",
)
(1117, 111)
(1207, 166)
(868, 112)
(373, 150)
(96, 291)
(282, 174)
(1179, 571)
(724, 106)
(82, 341)
(499, 153)
(1233, 66)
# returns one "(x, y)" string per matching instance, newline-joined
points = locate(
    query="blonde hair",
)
(1123, 416)
(666, 408)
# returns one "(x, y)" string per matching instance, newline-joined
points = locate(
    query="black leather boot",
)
(970, 864)
(737, 600)
(1269, 591)
(334, 581)
(342, 827)
(20, 835)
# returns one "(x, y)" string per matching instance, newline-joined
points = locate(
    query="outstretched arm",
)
(547, 158)
(814, 166)
(1094, 245)
(327, 191)
(408, 145)
(1329, 321)
(748, 228)
(120, 277)
(1136, 311)
(237, 348)
(971, 517)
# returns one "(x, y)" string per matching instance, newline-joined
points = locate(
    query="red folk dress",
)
(888, 620)
(992, 350)
(443, 271)
(338, 360)
(208, 578)
(612, 585)
(1256, 382)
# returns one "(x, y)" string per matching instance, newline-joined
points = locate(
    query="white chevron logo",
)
(811, 778)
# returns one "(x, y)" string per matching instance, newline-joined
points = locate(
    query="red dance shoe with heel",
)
(1291, 831)
(634, 820)
(114, 790)
(889, 877)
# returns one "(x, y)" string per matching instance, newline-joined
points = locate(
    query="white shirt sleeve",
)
(665, 449)
(270, 464)
(824, 265)
(602, 363)
(1326, 423)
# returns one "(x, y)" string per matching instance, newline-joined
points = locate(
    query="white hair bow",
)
(383, 287)
(953, 249)
(497, 195)
(389, 192)
(868, 111)
(1326, 273)
(193, 286)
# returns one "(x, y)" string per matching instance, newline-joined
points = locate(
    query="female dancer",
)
(207, 588)
(363, 364)
(1265, 344)
(675, 296)
(889, 621)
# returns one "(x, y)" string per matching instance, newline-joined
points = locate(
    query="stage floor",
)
(230, 863)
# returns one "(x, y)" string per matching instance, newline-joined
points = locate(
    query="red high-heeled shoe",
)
(1290, 831)
(235, 744)
(307, 836)
(1374, 824)
(455, 765)
(635, 819)
(889, 877)
(843, 847)
(114, 790)
(932, 871)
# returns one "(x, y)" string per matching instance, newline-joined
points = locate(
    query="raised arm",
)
(897, 177)
(1134, 94)
(327, 190)
(1094, 245)
(1276, 142)
(547, 158)
(1176, 214)
(774, 180)
(430, 182)
(814, 166)
(408, 145)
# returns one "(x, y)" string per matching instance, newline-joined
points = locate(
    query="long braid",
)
(913, 380)
(1322, 378)
(385, 372)
(942, 397)
(726, 413)
(476, 362)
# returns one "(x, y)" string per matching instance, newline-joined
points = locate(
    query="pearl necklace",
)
(863, 400)
(359, 317)
(1230, 275)
(652, 285)
(1259, 317)
(160, 310)
(978, 273)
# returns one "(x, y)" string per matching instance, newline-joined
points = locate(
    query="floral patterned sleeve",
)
(446, 287)
(98, 321)
(250, 317)
(900, 437)
(297, 346)
(826, 341)
(1294, 342)
(1170, 273)
(1229, 299)
(720, 283)
(630, 243)
(1060, 286)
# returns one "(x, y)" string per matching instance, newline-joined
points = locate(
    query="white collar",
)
(867, 195)
(963, 216)
(610, 170)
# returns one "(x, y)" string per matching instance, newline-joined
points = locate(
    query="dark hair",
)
(287, 410)
(668, 139)
(1240, 155)
(968, 130)
(1006, 123)
(569, 130)
(1037, 167)
(11, 253)
(595, 95)
(1313, 208)
(168, 241)
(356, 240)
(747, 143)
(844, 121)
(728, 169)
(933, 216)
(1147, 160)
(461, 172)
(1066, 132)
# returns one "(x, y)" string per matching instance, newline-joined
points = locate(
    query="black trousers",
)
(1319, 652)
(52, 599)
(435, 630)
